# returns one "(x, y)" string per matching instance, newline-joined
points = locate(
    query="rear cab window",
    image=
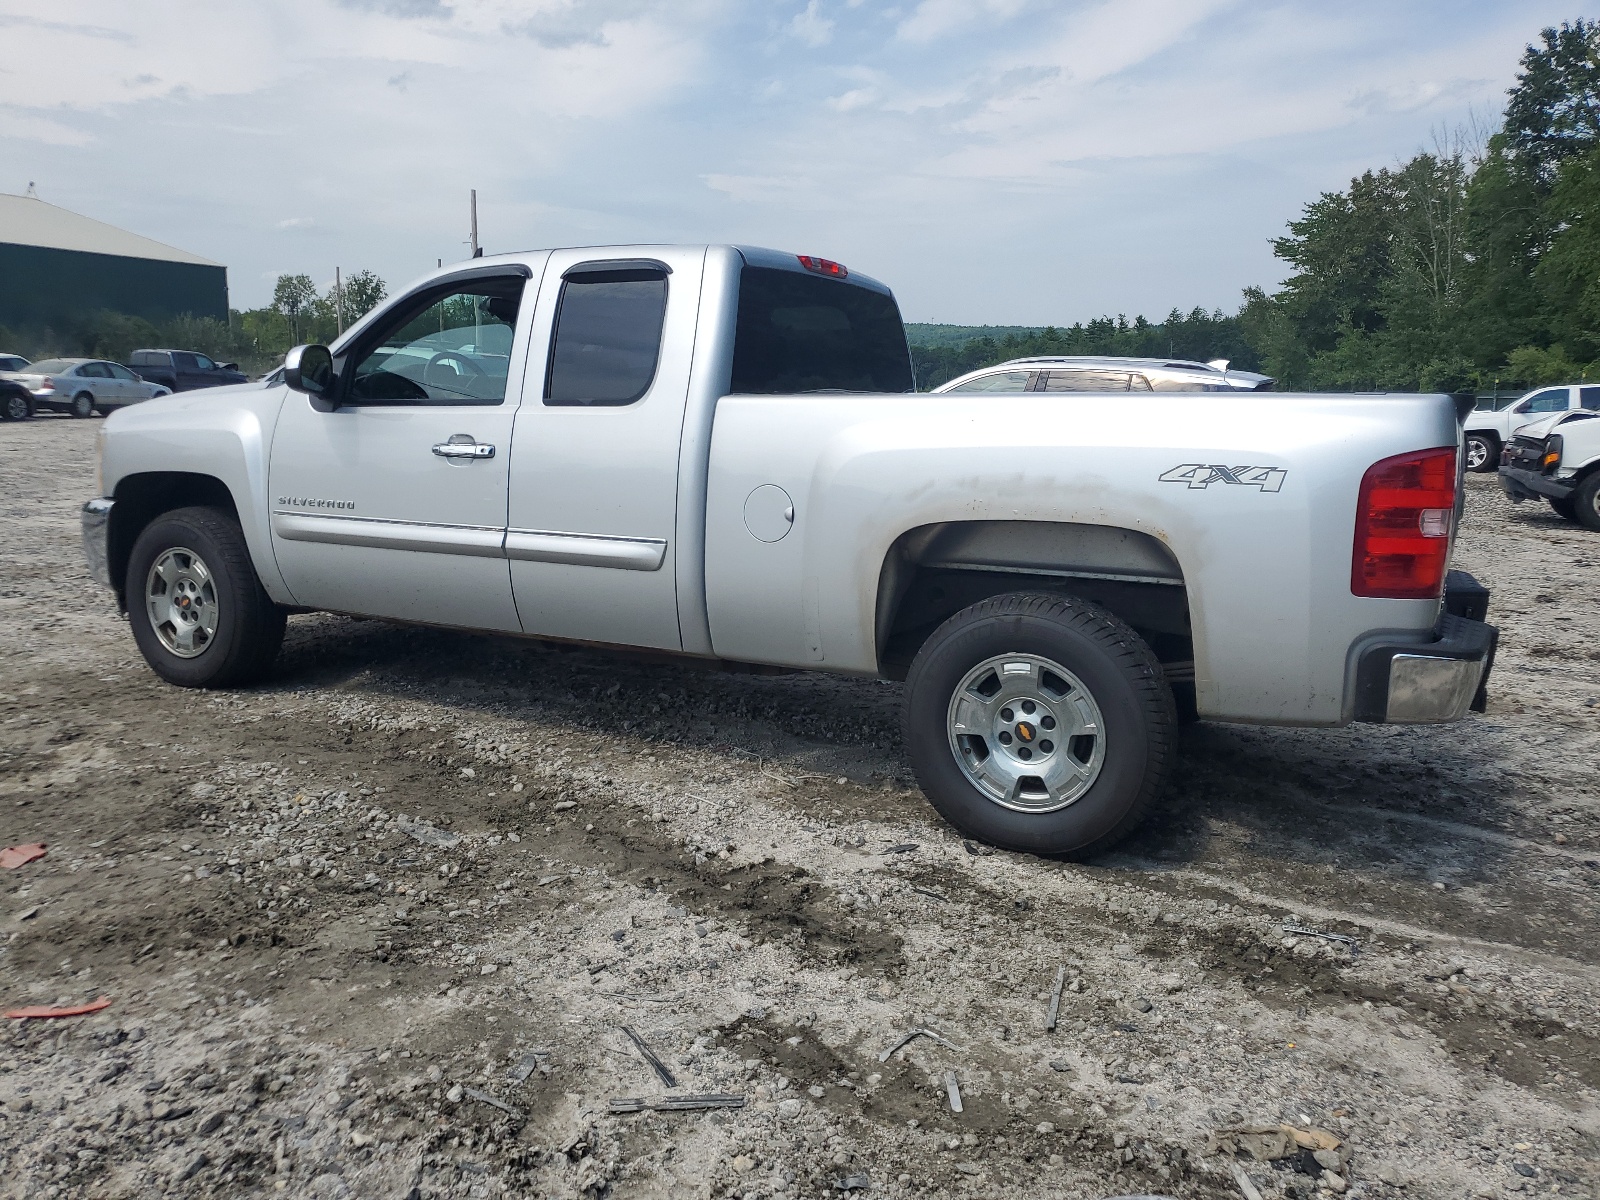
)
(798, 333)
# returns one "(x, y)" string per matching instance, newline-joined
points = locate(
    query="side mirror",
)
(309, 369)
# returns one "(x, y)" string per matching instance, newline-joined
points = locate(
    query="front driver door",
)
(393, 504)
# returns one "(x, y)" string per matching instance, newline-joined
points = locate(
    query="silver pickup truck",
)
(718, 452)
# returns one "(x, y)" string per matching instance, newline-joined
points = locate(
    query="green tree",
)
(294, 297)
(363, 292)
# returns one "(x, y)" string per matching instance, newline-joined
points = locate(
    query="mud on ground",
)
(376, 927)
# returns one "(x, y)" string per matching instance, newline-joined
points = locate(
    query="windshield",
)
(801, 333)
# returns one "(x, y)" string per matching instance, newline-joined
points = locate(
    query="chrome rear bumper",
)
(1438, 681)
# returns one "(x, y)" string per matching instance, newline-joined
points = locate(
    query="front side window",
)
(999, 381)
(1548, 401)
(608, 336)
(204, 363)
(445, 346)
(1087, 381)
(803, 333)
(120, 372)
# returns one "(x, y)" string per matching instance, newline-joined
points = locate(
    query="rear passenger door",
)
(594, 464)
(129, 389)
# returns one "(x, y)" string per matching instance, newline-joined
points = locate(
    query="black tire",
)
(1586, 502)
(1116, 668)
(1490, 447)
(248, 625)
(82, 406)
(1564, 507)
(15, 407)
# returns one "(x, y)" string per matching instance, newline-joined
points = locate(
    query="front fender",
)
(219, 433)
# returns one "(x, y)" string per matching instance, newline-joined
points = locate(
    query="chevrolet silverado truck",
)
(1557, 459)
(718, 452)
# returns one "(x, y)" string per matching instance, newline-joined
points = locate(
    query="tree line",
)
(1474, 265)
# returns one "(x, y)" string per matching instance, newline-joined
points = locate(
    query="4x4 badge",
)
(1200, 475)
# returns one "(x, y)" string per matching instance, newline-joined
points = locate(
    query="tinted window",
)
(1548, 401)
(803, 333)
(94, 370)
(148, 358)
(1087, 381)
(607, 337)
(449, 346)
(1589, 398)
(118, 371)
(1000, 381)
(11, 363)
(185, 362)
(204, 363)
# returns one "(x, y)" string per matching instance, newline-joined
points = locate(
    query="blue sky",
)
(994, 161)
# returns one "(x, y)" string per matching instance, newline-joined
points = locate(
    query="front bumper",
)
(96, 521)
(1522, 484)
(1433, 682)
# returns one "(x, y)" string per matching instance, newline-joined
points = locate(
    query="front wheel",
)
(1564, 508)
(199, 614)
(82, 406)
(1483, 452)
(1586, 502)
(1040, 723)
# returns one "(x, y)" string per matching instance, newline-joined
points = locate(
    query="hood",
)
(1541, 427)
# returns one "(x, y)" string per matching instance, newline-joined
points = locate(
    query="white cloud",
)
(811, 27)
(934, 19)
(297, 223)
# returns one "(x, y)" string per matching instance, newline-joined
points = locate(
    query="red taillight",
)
(1403, 522)
(823, 266)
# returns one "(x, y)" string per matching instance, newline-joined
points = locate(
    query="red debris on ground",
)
(15, 856)
(77, 1010)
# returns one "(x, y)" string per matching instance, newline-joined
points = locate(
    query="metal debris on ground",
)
(859, 1182)
(39, 1011)
(911, 1036)
(977, 850)
(954, 1090)
(633, 1104)
(1355, 946)
(432, 835)
(932, 895)
(526, 1065)
(903, 848)
(650, 1057)
(1269, 1143)
(13, 857)
(491, 1101)
(1243, 1180)
(1055, 999)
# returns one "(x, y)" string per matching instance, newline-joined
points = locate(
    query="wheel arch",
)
(933, 571)
(141, 498)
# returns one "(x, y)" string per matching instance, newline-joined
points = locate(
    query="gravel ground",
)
(381, 927)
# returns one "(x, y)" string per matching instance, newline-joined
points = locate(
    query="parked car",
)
(1488, 432)
(183, 370)
(1557, 458)
(12, 362)
(716, 452)
(1082, 374)
(84, 386)
(16, 402)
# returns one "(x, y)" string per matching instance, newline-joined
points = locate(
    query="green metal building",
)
(56, 266)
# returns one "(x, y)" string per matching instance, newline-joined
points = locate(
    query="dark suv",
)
(183, 370)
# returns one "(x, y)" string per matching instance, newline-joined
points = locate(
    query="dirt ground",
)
(381, 927)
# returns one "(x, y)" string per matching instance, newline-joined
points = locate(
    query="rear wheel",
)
(1586, 502)
(82, 405)
(15, 407)
(1483, 452)
(198, 612)
(1040, 723)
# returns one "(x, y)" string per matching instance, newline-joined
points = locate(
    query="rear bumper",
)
(1522, 484)
(1432, 682)
(96, 521)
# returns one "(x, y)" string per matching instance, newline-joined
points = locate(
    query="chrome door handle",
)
(464, 450)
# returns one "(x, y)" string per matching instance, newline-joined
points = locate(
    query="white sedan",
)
(84, 386)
